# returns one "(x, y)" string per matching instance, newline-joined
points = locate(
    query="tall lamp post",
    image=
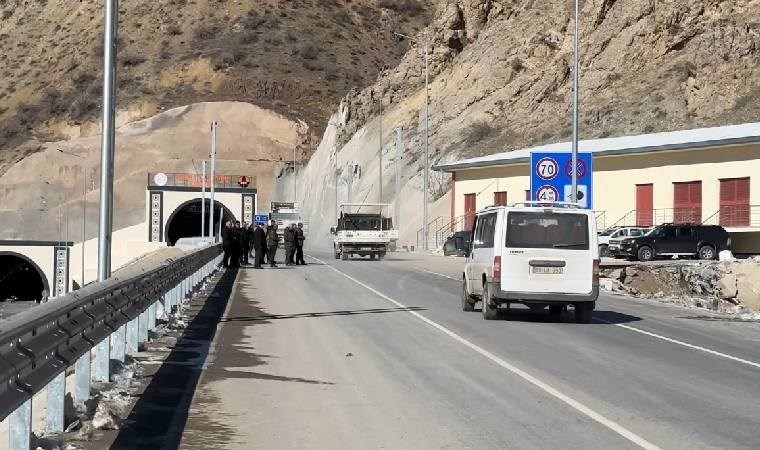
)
(576, 69)
(425, 193)
(84, 206)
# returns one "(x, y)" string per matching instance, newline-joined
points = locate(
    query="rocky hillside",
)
(296, 57)
(500, 79)
(502, 71)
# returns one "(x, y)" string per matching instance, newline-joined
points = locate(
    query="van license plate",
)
(548, 270)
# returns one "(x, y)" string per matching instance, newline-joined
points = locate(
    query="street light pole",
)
(576, 69)
(425, 176)
(105, 230)
(203, 202)
(380, 155)
(84, 206)
(427, 163)
(211, 224)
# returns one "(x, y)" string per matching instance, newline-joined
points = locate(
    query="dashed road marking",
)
(438, 274)
(575, 404)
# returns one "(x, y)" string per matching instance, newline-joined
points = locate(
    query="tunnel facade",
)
(185, 221)
(21, 279)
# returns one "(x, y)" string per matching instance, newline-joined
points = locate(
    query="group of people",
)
(260, 242)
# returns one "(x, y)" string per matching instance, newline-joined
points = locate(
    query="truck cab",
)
(363, 230)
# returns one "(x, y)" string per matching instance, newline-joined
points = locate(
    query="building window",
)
(644, 205)
(687, 202)
(500, 198)
(734, 202)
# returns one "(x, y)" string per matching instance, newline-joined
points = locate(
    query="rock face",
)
(502, 75)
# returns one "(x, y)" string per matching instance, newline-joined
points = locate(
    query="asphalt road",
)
(360, 354)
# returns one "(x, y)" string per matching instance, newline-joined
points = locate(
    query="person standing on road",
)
(299, 245)
(227, 243)
(290, 244)
(245, 247)
(272, 240)
(250, 230)
(259, 245)
(236, 243)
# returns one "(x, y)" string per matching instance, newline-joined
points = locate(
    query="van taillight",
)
(497, 266)
(596, 270)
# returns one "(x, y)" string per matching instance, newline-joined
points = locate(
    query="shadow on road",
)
(159, 416)
(600, 317)
(322, 314)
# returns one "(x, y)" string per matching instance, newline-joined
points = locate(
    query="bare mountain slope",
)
(297, 57)
(500, 79)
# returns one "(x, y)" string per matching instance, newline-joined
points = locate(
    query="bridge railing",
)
(37, 346)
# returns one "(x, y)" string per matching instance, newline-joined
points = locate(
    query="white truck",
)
(363, 230)
(286, 213)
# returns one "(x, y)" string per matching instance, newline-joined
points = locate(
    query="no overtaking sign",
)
(551, 177)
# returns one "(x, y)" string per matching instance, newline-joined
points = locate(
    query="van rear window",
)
(547, 230)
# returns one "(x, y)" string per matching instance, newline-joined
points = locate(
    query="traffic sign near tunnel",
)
(551, 177)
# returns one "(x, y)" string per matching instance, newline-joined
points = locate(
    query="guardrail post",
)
(103, 361)
(20, 424)
(118, 343)
(56, 394)
(82, 369)
(132, 346)
(142, 327)
(152, 315)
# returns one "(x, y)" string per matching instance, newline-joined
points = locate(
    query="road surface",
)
(360, 354)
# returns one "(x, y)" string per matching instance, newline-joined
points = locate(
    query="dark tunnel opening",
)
(185, 222)
(20, 280)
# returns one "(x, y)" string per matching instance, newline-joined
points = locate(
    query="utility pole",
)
(108, 140)
(427, 164)
(576, 69)
(203, 202)
(295, 178)
(380, 156)
(425, 193)
(398, 159)
(84, 205)
(212, 231)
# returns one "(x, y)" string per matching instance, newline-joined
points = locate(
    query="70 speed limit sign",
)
(547, 168)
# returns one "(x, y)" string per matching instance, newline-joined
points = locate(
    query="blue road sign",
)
(551, 177)
(261, 218)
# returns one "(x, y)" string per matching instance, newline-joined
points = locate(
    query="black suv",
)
(703, 241)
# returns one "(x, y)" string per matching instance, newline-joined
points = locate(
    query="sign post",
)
(552, 178)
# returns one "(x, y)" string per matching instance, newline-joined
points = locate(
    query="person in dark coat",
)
(290, 244)
(272, 241)
(250, 231)
(299, 245)
(245, 244)
(236, 243)
(259, 240)
(227, 243)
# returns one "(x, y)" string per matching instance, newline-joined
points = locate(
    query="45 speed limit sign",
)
(547, 194)
(547, 168)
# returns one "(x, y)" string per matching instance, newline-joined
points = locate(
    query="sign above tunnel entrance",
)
(192, 180)
(551, 177)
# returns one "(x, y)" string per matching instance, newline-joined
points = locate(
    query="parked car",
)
(534, 255)
(457, 244)
(609, 245)
(702, 241)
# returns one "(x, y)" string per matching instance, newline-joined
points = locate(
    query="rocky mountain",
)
(295, 57)
(501, 71)
(500, 79)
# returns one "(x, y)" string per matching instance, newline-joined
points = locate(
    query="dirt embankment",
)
(727, 287)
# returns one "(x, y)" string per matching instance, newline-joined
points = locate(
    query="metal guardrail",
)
(38, 345)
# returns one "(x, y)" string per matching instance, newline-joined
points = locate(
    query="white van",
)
(535, 254)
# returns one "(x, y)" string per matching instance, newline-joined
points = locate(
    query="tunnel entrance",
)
(185, 221)
(21, 280)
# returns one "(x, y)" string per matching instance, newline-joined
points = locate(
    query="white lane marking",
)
(578, 406)
(436, 273)
(685, 344)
